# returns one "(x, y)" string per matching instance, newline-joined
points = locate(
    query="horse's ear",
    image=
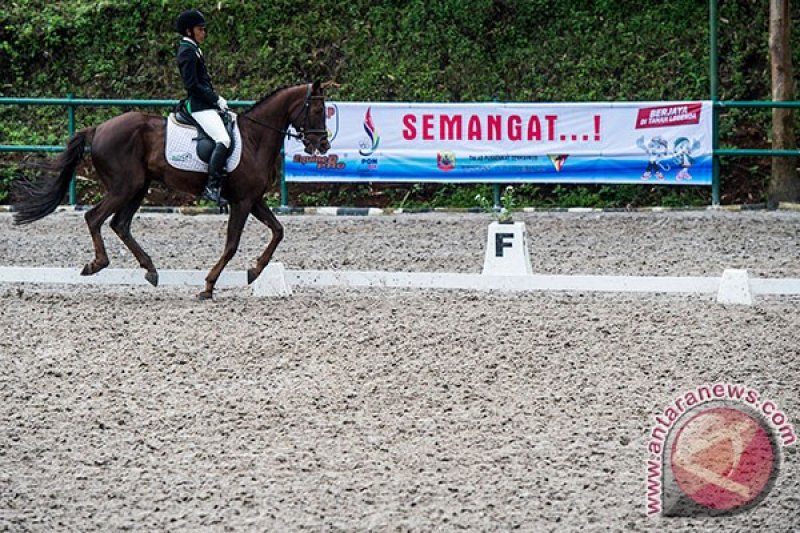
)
(330, 85)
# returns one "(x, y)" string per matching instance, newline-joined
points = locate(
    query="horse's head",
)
(308, 120)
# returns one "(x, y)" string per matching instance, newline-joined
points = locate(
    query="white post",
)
(272, 282)
(507, 250)
(734, 288)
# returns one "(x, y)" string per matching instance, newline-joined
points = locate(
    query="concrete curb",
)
(378, 211)
(734, 287)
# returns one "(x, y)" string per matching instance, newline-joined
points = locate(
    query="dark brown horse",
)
(128, 154)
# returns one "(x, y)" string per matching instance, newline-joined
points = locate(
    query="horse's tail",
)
(33, 200)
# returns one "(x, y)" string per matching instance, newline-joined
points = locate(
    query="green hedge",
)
(432, 50)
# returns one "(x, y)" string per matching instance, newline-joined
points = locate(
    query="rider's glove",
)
(222, 104)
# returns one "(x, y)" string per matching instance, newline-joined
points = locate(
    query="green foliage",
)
(502, 212)
(381, 50)
(576, 196)
(7, 175)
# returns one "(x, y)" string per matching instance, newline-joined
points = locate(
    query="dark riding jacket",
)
(201, 95)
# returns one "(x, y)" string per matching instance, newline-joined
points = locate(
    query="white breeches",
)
(212, 124)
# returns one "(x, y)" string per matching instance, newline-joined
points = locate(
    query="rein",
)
(298, 136)
(303, 130)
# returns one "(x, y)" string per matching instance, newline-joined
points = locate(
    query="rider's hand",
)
(222, 104)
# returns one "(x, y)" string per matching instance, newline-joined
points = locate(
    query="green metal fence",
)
(71, 103)
(713, 20)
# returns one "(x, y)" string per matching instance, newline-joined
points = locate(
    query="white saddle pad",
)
(181, 148)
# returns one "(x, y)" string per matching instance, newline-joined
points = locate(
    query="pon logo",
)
(368, 147)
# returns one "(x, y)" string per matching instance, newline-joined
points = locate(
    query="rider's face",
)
(199, 34)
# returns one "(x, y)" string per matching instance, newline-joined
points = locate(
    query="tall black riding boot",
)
(216, 173)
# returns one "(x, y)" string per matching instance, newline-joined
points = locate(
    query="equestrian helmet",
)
(189, 19)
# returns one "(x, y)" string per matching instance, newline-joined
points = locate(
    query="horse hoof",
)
(90, 269)
(152, 278)
(205, 295)
(252, 274)
(93, 268)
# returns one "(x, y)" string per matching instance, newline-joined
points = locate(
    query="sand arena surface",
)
(142, 408)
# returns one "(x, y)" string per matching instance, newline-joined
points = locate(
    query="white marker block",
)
(507, 250)
(272, 282)
(734, 288)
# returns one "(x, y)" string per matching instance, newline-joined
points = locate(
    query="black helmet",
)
(189, 19)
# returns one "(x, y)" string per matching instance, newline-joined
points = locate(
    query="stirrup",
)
(214, 194)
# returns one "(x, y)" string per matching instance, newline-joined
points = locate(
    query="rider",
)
(203, 103)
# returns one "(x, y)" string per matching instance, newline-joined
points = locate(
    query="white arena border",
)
(733, 287)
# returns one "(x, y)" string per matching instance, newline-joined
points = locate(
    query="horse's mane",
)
(267, 97)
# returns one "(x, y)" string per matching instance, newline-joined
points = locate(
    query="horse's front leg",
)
(236, 220)
(265, 215)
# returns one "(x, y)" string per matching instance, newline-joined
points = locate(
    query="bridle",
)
(303, 130)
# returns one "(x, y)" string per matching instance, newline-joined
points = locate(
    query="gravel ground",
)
(145, 409)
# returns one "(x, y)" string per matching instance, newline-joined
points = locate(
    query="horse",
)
(128, 153)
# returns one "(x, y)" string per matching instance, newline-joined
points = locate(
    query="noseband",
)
(304, 129)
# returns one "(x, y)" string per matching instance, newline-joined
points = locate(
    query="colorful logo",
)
(446, 161)
(369, 147)
(332, 121)
(558, 160)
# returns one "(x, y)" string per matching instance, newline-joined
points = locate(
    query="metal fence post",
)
(284, 186)
(496, 186)
(714, 78)
(71, 129)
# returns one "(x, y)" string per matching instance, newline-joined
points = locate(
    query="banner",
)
(615, 142)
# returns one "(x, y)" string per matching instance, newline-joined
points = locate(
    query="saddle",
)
(188, 147)
(205, 144)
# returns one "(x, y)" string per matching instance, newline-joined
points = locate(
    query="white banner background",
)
(619, 142)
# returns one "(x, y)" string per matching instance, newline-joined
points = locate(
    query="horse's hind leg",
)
(265, 215)
(95, 217)
(121, 224)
